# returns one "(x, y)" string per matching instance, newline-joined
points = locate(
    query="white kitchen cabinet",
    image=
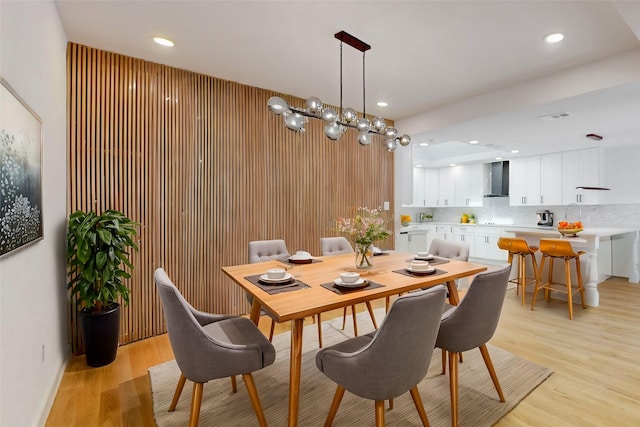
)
(444, 232)
(486, 244)
(551, 179)
(524, 181)
(446, 187)
(465, 234)
(425, 187)
(581, 168)
(469, 184)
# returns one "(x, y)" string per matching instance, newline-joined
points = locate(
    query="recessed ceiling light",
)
(554, 37)
(498, 158)
(418, 166)
(473, 141)
(515, 151)
(382, 104)
(452, 164)
(163, 41)
(424, 144)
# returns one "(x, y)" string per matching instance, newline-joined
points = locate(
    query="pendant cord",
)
(340, 117)
(364, 103)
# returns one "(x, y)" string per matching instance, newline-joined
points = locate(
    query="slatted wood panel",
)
(204, 167)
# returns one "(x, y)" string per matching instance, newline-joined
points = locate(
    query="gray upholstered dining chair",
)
(390, 361)
(471, 324)
(450, 250)
(337, 246)
(267, 250)
(211, 346)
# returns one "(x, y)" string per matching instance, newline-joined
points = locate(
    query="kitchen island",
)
(598, 263)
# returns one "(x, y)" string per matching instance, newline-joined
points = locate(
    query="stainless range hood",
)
(498, 179)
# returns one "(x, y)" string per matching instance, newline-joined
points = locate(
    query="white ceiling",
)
(425, 54)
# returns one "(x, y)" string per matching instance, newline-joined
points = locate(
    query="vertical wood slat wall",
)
(204, 167)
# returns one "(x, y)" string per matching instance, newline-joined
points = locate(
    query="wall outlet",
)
(385, 206)
(42, 353)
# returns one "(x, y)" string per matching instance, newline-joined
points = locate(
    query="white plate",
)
(300, 258)
(286, 278)
(424, 258)
(422, 271)
(358, 283)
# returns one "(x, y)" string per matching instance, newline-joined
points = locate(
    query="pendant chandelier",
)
(337, 124)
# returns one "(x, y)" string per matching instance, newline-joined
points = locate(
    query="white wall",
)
(32, 280)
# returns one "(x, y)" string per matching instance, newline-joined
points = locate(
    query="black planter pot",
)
(100, 333)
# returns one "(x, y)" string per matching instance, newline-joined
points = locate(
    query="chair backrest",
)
(400, 351)
(188, 338)
(266, 250)
(557, 248)
(515, 245)
(335, 246)
(450, 250)
(473, 322)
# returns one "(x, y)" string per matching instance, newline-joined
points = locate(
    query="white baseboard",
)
(53, 391)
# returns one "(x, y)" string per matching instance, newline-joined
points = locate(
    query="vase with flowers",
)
(364, 228)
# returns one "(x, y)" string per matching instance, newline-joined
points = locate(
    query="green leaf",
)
(101, 260)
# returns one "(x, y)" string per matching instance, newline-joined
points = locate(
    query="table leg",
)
(294, 370)
(254, 316)
(454, 299)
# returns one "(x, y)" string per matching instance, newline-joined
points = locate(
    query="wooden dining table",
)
(388, 274)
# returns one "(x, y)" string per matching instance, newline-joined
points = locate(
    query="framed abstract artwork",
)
(20, 172)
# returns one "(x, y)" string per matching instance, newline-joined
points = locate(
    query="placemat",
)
(406, 273)
(343, 291)
(435, 261)
(276, 289)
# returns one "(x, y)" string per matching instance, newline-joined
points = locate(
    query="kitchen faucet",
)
(579, 211)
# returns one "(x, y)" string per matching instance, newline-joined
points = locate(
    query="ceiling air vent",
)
(555, 116)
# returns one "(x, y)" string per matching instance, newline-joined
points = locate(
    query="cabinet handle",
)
(577, 197)
(541, 199)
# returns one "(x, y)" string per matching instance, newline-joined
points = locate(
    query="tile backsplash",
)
(497, 210)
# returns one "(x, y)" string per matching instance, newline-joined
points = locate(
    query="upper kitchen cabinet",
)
(425, 187)
(620, 169)
(446, 187)
(524, 181)
(536, 180)
(581, 168)
(469, 184)
(551, 179)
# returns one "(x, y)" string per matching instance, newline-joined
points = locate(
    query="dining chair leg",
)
(337, 398)
(390, 404)
(415, 394)
(373, 317)
(355, 321)
(444, 361)
(178, 392)
(319, 322)
(492, 371)
(234, 385)
(387, 303)
(379, 413)
(453, 387)
(196, 400)
(255, 399)
(271, 329)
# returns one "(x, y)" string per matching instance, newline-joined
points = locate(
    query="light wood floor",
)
(596, 380)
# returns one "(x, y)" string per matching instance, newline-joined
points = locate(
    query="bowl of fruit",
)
(570, 229)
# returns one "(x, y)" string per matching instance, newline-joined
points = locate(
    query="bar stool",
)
(520, 249)
(558, 248)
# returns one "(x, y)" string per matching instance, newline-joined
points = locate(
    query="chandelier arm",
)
(340, 115)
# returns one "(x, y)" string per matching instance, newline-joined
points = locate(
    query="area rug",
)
(479, 405)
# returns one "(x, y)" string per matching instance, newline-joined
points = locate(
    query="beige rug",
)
(479, 405)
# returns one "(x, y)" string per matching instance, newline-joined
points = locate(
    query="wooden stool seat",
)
(559, 249)
(520, 249)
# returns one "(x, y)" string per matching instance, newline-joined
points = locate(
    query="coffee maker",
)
(545, 218)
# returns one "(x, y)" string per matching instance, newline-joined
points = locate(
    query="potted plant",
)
(97, 255)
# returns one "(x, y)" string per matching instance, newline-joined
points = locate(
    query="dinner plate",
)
(357, 284)
(285, 279)
(424, 258)
(424, 272)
